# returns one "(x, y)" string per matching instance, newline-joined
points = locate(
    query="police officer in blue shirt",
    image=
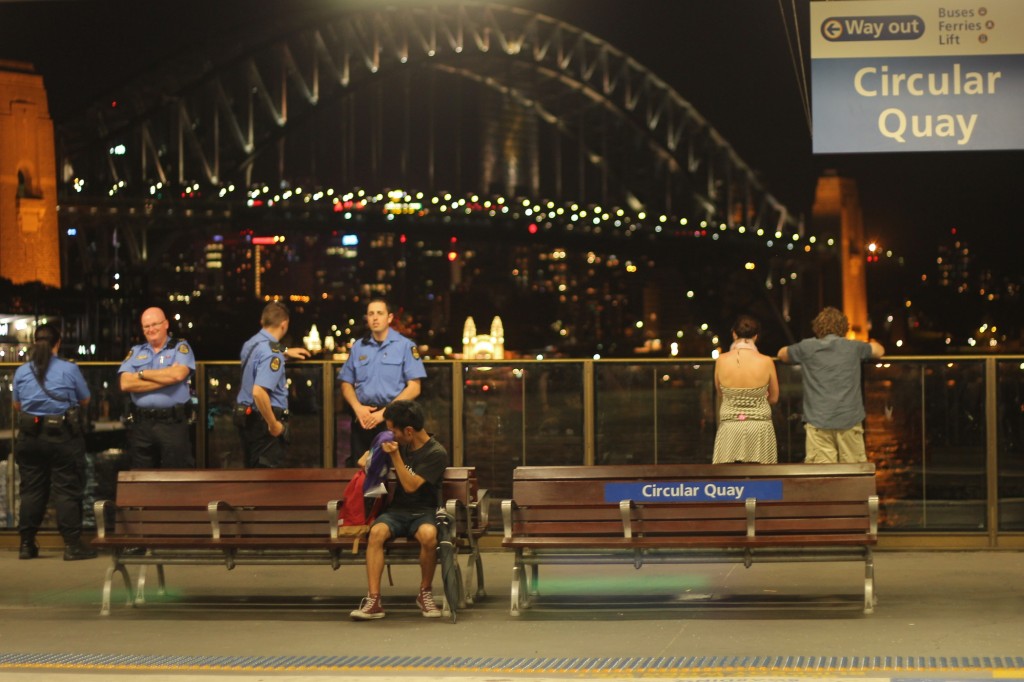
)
(50, 395)
(383, 366)
(155, 374)
(261, 409)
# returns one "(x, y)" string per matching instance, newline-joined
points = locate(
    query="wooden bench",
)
(258, 516)
(689, 514)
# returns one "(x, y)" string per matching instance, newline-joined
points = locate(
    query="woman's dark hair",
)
(746, 327)
(47, 336)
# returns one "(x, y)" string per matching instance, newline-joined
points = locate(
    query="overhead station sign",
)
(917, 75)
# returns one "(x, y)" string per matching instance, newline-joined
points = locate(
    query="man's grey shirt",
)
(831, 378)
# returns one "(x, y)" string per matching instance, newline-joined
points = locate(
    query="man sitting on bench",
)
(419, 462)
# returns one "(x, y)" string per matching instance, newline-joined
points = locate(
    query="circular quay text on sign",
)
(916, 75)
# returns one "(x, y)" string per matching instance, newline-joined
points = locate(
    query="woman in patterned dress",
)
(749, 386)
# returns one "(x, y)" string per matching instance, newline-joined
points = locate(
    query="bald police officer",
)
(155, 374)
(383, 366)
(49, 394)
(261, 408)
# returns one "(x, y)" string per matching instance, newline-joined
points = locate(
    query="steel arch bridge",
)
(365, 98)
(454, 120)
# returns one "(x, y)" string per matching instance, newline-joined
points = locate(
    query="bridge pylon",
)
(837, 209)
(29, 244)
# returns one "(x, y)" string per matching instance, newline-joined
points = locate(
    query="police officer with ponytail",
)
(50, 395)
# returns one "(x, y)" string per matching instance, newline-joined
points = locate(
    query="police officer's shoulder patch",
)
(183, 348)
(130, 352)
(275, 363)
(415, 352)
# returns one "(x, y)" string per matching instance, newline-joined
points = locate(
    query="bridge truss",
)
(443, 96)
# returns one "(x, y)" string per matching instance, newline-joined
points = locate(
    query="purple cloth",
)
(379, 464)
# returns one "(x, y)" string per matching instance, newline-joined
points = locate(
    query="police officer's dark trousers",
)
(262, 451)
(162, 441)
(51, 460)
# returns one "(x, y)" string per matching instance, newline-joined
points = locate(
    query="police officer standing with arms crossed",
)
(50, 394)
(156, 374)
(383, 366)
(261, 408)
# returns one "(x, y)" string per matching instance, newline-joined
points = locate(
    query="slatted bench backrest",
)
(817, 500)
(266, 502)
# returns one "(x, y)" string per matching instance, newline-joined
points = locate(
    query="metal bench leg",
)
(161, 583)
(481, 591)
(140, 590)
(474, 574)
(534, 580)
(869, 583)
(517, 581)
(520, 596)
(117, 566)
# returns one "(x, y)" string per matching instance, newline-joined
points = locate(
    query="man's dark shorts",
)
(405, 524)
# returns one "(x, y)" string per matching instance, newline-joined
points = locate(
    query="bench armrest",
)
(334, 517)
(99, 508)
(507, 507)
(626, 508)
(456, 508)
(213, 510)
(873, 515)
(480, 510)
(458, 511)
(751, 506)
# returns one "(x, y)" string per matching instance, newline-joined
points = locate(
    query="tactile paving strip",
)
(914, 667)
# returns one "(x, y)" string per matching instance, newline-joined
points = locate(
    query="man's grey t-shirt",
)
(831, 377)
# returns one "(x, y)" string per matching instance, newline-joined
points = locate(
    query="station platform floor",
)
(940, 615)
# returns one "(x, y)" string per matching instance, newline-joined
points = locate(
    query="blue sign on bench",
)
(693, 491)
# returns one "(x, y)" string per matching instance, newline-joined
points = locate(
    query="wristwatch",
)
(141, 377)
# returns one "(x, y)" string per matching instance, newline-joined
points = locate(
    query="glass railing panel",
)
(223, 444)
(436, 400)
(686, 412)
(787, 415)
(926, 434)
(655, 413)
(306, 407)
(492, 421)
(1010, 436)
(106, 443)
(624, 421)
(554, 413)
(528, 413)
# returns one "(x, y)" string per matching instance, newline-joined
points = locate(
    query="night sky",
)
(729, 58)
